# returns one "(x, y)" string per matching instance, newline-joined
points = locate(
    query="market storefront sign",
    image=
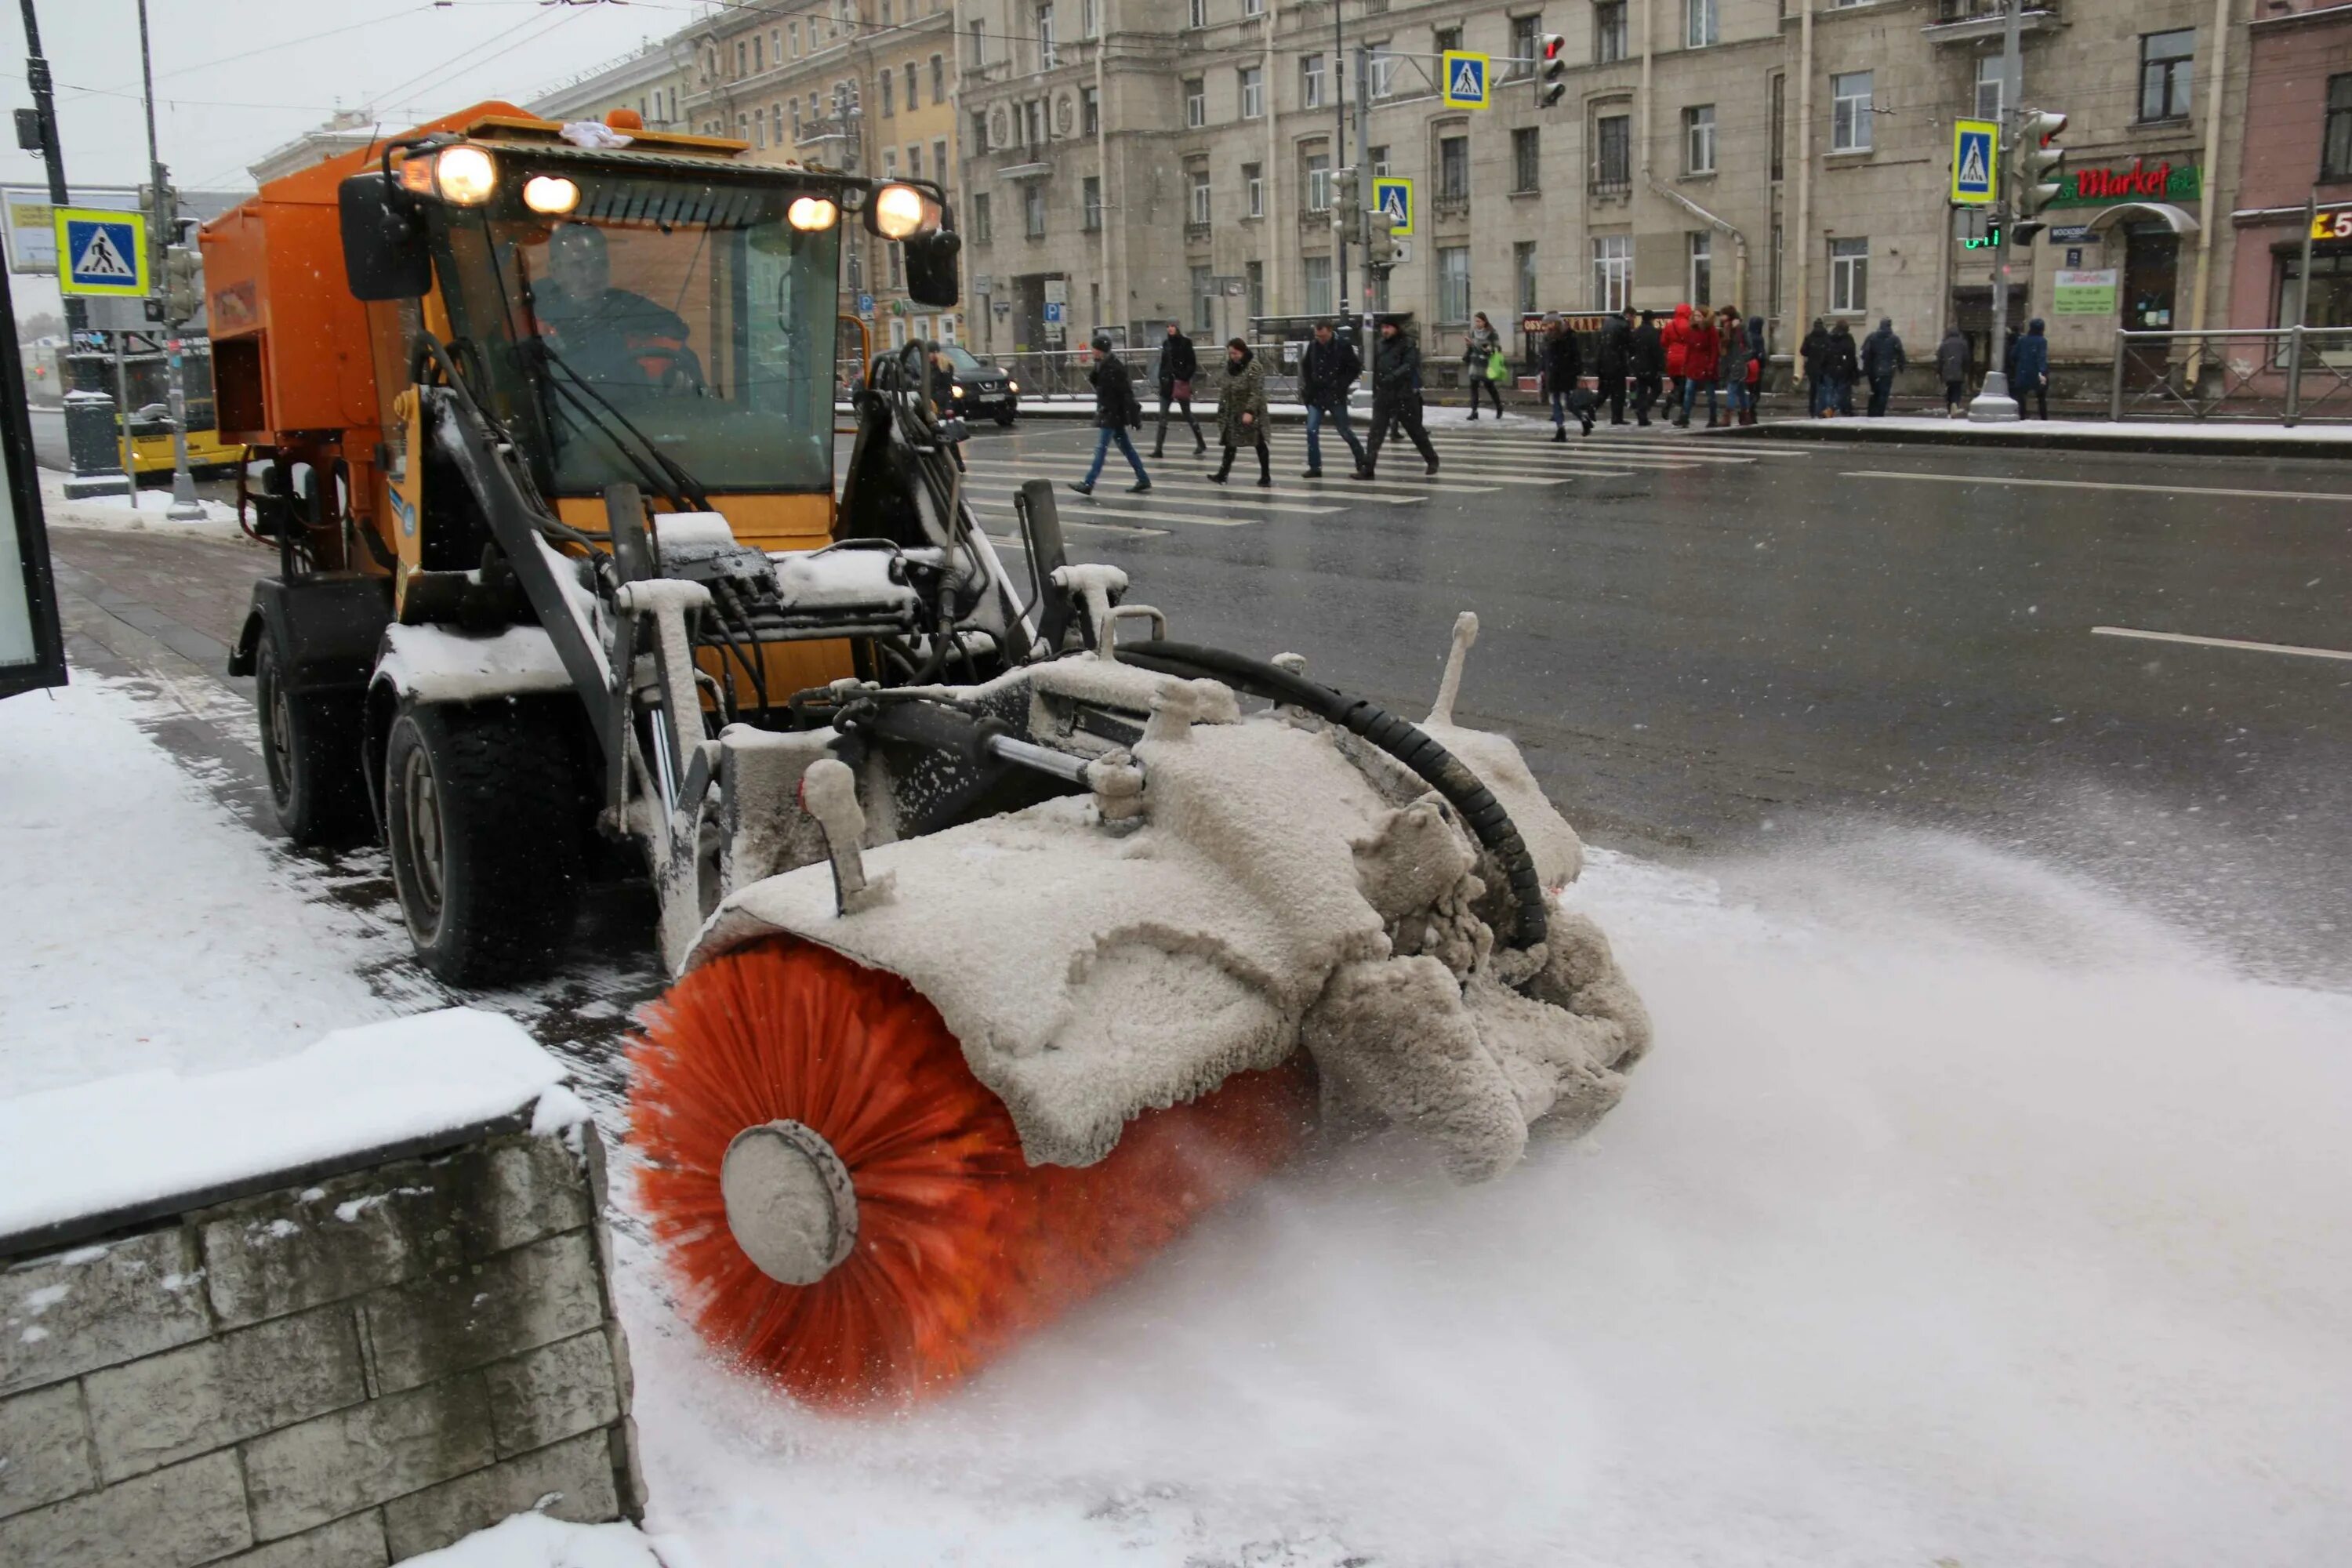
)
(2142, 182)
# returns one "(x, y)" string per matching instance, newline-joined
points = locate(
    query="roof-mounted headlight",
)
(812, 214)
(465, 175)
(901, 212)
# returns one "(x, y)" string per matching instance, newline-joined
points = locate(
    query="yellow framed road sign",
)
(102, 253)
(1976, 163)
(1466, 75)
(1392, 199)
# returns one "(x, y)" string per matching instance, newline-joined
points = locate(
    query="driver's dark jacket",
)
(619, 336)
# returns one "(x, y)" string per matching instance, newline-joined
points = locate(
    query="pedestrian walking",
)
(1396, 397)
(1758, 356)
(1701, 350)
(1117, 410)
(1731, 361)
(1649, 364)
(1563, 368)
(1613, 360)
(1814, 354)
(1845, 366)
(1241, 412)
(1481, 356)
(1952, 369)
(1676, 336)
(2032, 372)
(1326, 370)
(1178, 366)
(1882, 362)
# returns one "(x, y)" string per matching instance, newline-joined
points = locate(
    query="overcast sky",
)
(237, 78)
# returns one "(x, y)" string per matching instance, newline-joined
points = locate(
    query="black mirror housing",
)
(931, 269)
(384, 254)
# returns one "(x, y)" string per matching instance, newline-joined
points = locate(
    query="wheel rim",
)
(418, 846)
(276, 733)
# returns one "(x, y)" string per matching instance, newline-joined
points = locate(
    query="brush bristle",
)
(962, 1246)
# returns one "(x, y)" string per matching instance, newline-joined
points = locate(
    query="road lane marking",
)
(1065, 509)
(2096, 485)
(2223, 642)
(1272, 502)
(1000, 482)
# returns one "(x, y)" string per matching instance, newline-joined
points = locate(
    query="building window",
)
(1453, 284)
(1089, 111)
(1850, 112)
(1526, 45)
(1380, 161)
(2336, 143)
(1253, 92)
(2329, 302)
(760, 128)
(1046, 60)
(1527, 159)
(1090, 197)
(1253, 8)
(913, 95)
(1091, 19)
(898, 268)
(1319, 181)
(1779, 306)
(1454, 168)
(1254, 189)
(1609, 31)
(1314, 272)
(940, 170)
(1612, 272)
(1254, 273)
(889, 96)
(1779, 98)
(1197, 15)
(1205, 302)
(1197, 209)
(796, 119)
(982, 226)
(1032, 122)
(792, 36)
(1702, 269)
(759, 54)
(889, 163)
(740, 53)
(1444, 38)
(1383, 70)
(979, 131)
(1523, 268)
(1032, 209)
(1700, 23)
(1698, 139)
(1990, 80)
(978, 42)
(1612, 154)
(915, 162)
(939, 79)
(1849, 277)
(1310, 82)
(2164, 62)
(1196, 103)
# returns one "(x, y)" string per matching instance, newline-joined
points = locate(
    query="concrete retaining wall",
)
(345, 1374)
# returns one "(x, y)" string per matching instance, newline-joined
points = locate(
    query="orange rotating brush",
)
(801, 1077)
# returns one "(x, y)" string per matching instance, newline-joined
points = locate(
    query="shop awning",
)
(2180, 220)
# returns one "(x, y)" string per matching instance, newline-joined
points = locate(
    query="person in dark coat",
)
(1813, 353)
(1758, 356)
(1396, 397)
(2032, 372)
(1612, 359)
(1178, 366)
(1648, 364)
(1241, 412)
(1115, 409)
(1326, 370)
(1846, 367)
(1882, 362)
(1952, 369)
(1563, 367)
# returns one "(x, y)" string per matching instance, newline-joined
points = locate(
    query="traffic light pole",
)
(1364, 187)
(163, 229)
(1339, 145)
(1994, 405)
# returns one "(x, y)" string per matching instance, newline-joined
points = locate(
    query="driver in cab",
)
(611, 336)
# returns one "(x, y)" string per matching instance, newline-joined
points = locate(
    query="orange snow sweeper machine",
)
(1004, 947)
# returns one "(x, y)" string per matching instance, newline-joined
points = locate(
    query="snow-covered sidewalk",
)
(2322, 440)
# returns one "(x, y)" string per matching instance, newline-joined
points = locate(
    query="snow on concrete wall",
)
(355, 1371)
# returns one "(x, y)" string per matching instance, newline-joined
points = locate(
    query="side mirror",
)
(384, 255)
(931, 269)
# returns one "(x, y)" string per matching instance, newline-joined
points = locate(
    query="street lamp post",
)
(163, 228)
(1994, 405)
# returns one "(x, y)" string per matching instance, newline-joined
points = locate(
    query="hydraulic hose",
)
(1439, 768)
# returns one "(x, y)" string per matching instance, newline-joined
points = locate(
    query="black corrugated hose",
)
(1441, 769)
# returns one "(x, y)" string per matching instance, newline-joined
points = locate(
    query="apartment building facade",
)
(1143, 164)
(651, 83)
(2298, 153)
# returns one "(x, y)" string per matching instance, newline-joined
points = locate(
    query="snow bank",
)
(116, 512)
(1963, 1213)
(535, 1541)
(102, 1146)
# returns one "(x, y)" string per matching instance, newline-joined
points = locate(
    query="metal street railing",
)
(2271, 374)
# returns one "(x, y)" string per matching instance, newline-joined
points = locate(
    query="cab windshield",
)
(661, 311)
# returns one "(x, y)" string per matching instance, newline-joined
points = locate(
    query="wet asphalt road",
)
(1710, 646)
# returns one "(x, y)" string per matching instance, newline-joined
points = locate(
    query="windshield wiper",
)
(659, 468)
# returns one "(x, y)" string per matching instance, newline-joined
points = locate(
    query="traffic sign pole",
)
(163, 228)
(1994, 405)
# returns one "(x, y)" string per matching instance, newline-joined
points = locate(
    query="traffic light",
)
(2041, 167)
(1347, 201)
(1552, 84)
(1380, 248)
(183, 290)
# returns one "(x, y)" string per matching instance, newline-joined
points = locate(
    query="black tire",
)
(485, 816)
(1004, 418)
(311, 750)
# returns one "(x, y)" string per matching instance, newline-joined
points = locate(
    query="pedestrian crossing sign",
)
(1465, 80)
(1392, 199)
(102, 253)
(1976, 163)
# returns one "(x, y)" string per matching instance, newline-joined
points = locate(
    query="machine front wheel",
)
(483, 812)
(311, 750)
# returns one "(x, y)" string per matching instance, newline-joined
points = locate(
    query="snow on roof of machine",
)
(119, 1149)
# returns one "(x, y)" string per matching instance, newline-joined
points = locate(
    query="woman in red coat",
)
(1676, 336)
(1700, 354)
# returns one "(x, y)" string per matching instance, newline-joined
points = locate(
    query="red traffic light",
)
(1553, 45)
